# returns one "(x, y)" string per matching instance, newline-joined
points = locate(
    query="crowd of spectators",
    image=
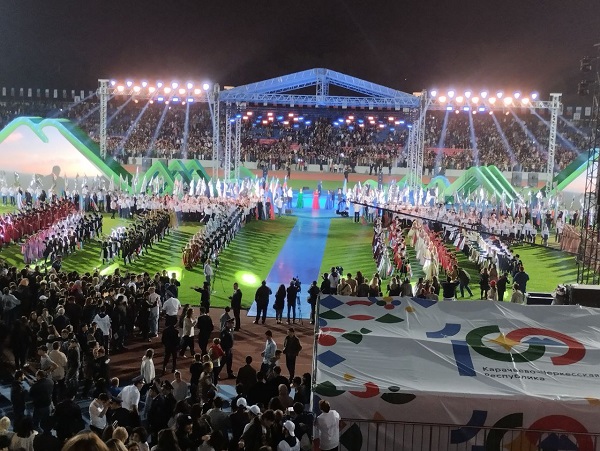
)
(513, 140)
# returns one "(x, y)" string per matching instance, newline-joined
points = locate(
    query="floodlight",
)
(402, 122)
(381, 125)
(190, 85)
(167, 90)
(348, 121)
(307, 122)
(190, 100)
(160, 98)
(534, 95)
(159, 84)
(175, 99)
(136, 89)
(466, 108)
(433, 93)
(296, 120)
(269, 114)
(499, 94)
(286, 122)
(451, 93)
(144, 84)
(197, 91)
(174, 85)
(249, 113)
(245, 118)
(290, 114)
(517, 94)
(129, 83)
(468, 94)
(475, 99)
(483, 94)
(442, 99)
(481, 109)
(449, 108)
(397, 122)
(390, 118)
(525, 101)
(351, 118)
(361, 125)
(370, 118)
(151, 89)
(492, 100)
(113, 82)
(507, 101)
(120, 88)
(271, 118)
(460, 99)
(181, 91)
(206, 86)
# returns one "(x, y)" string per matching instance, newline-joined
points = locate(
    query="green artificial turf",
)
(349, 245)
(546, 267)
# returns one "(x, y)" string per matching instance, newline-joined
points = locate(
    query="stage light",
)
(249, 113)
(144, 84)
(517, 94)
(481, 109)
(507, 101)
(279, 118)
(534, 95)
(381, 125)
(190, 85)
(265, 122)
(151, 89)
(301, 118)
(120, 88)
(525, 101)
(182, 91)
(159, 84)
(371, 122)
(129, 83)
(190, 100)
(466, 108)
(351, 118)
(442, 99)
(167, 90)
(113, 82)
(245, 118)
(499, 94)
(206, 86)
(160, 99)
(451, 94)
(296, 120)
(468, 94)
(397, 122)
(269, 114)
(286, 122)
(174, 85)
(475, 100)
(390, 118)
(433, 93)
(483, 94)
(449, 108)
(308, 123)
(402, 122)
(456, 111)
(459, 99)
(175, 99)
(370, 118)
(492, 100)
(290, 114)
(271, 119)
(197, 91)
(151, 101)
(232, 120)
(135, 101)
(136, 89)
(348, 121)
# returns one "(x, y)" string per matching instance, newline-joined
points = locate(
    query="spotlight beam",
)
(440, 154)
(186, 130)
(70, 107)
(161, 121)
(568, 144)
(131, 129)
(473, 141)
(511, 154)
(119, 109)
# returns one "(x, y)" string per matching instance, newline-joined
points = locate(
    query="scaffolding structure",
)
(588, 255)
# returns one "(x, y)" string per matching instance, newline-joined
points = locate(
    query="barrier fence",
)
(359, 435)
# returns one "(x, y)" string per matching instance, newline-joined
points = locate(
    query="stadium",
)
(427, 262)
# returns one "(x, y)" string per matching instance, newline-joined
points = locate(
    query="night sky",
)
(406, 45)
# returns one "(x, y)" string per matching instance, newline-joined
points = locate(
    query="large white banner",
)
(480, 363)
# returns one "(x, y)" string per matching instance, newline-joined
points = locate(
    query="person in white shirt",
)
(98, 408)
(130, 395)
(326, 430)
(147, 369)
(154, 301)
(208, 271)
(180, 387)
(103, 322)
(171, 308)
(289, 442)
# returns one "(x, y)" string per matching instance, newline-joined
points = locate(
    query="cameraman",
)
(292, 294)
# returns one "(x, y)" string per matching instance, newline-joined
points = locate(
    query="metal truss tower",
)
(237, 143)
(103, 94)
(213, 105)
(555, 110)
(588, 255)
(228, 143)
(416, 145)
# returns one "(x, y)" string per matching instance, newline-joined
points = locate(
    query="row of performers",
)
(15, 226)
(219, 231)
(130, 242)
(62, 238)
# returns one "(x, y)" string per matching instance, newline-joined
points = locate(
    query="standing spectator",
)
(291, 349)
(24, 435)
(195, 372)
(130, 395)
(170, 340)
(521, 277)
(208, 272)
(46, 441)
(103, 321)
(279, 303)
(262, 301)
(204, 296)
(41, 397)
(97, 411)
(290, 442)
(501, 286)
(313, 297)
(292, 293)
(327, 428)
(216, 354)
(17, 396)
(236, 305)
(68, 419)
(464, 279)
(517, 296)
(268, 353)
(246, 376)
(205, 328)
(187, 336)
(227, 345)
(484, 283)
(155, 307)
(59, 373)
(171, 308)
(147, 369)
(180, 387)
